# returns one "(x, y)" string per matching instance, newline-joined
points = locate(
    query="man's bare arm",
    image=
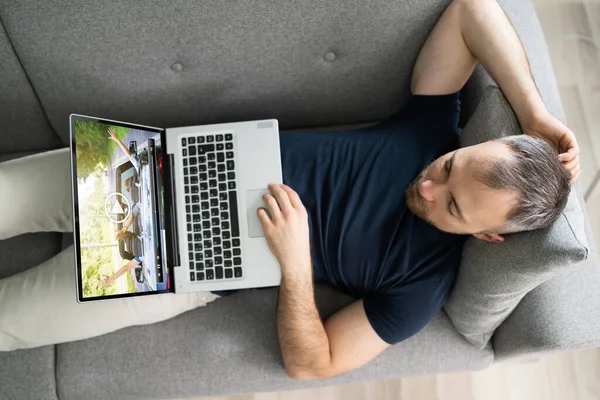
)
(445, 61)
(312, 350)
(479, 30)
(471, 30)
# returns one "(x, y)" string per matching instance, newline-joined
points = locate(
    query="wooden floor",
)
(573, 376)
(572, 30)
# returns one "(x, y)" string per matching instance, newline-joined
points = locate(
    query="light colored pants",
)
(39, 306)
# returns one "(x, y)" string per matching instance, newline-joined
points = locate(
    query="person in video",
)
(131, 264)
(134, 216)
(135, 161)
(129, 182)
(125, 236)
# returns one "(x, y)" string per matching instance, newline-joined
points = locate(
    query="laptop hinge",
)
(172, 244)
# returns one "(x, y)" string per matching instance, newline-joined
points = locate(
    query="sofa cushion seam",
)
(56, 370)
(35, 93)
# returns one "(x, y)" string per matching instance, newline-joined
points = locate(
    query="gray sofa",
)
(307, 63)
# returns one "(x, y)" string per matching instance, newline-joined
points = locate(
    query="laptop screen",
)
(118, 193)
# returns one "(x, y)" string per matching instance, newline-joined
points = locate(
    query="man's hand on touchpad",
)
(254, 201)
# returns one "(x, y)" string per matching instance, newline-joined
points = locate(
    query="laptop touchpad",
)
(254, 201)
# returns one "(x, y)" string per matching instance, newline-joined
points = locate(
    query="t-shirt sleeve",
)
(404, 311)
(433, 105)
(431, 114)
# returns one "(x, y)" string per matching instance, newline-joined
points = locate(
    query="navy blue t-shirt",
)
(364, 239)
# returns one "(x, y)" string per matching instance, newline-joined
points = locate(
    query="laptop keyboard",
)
(212, 220)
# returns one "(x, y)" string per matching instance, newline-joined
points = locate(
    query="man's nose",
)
(428, 190)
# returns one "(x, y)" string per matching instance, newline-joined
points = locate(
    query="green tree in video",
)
(97, 242)
(93, 147)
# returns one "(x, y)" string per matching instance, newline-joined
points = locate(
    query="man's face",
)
(447, 195)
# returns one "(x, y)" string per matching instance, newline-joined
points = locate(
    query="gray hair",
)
(535, 172)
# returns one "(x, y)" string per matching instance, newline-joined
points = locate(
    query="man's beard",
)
(415, 202)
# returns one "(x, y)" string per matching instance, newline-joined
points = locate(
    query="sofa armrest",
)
(561, 314)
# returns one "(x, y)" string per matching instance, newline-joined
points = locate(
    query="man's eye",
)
(449, 208)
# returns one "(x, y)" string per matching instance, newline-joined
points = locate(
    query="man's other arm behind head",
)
(479, 30)
(471, 31)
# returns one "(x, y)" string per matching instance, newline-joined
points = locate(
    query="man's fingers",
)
(575, 177)
(569, 142)
(263, 217)
(575, 172)
(574, 149)
(282, 198)
(272, 206)
(293, 196)
(568, 156)
(572, 164)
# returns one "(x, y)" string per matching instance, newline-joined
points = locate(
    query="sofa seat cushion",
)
(28, 374)
(231, 346)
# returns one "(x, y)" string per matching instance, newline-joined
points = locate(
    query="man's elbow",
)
(310, 373)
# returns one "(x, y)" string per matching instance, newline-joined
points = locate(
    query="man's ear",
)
(489, 237)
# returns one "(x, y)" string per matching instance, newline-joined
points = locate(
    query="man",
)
(381, 213)
(348, 221)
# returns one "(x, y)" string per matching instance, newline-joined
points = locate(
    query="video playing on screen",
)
(120, 201)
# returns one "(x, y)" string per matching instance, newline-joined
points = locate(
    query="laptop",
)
(171, 210)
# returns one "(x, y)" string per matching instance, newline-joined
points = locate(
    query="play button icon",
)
(113, 208)
(117, 209)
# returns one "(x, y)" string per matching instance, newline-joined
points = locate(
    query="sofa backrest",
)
(23, 124)
(168, 64)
